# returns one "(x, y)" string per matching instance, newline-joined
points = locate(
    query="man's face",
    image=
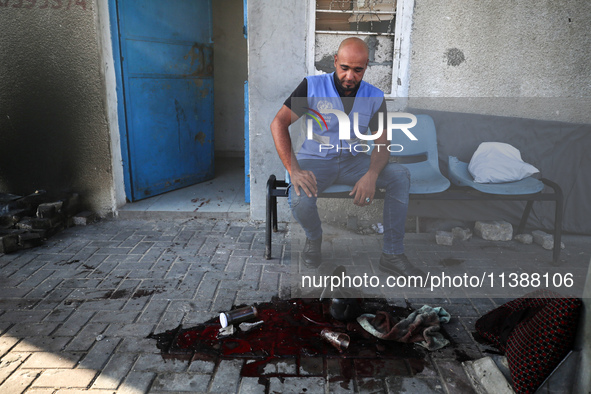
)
(350, 65)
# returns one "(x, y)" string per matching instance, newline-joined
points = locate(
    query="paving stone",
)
(39, 360)
(227, 376)
(19, 381)
(24, 330)
(202, 366)
(251, 386)
(123, 330)
(311, 366)
(137, 346)
(65, 378)
(296, 385)
(182, 382)
(10, 362)
(100, 353)
(29, 316)
(156, 363)
(136, 383)
(114, 372)
(86, 337)
(402, 384)
(454, 377)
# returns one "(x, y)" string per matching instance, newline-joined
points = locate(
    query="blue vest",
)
(322, 96)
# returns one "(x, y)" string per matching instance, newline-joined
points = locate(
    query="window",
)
(374, 21)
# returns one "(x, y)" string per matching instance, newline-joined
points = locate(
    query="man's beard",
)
(346, 89)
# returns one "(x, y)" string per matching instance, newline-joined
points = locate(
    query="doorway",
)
(195, 115)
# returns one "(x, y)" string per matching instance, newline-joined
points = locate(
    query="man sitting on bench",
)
(327, 158)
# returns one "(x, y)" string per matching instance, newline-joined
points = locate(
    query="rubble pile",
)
(26, 221)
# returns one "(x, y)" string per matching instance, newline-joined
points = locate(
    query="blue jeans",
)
(347, 170)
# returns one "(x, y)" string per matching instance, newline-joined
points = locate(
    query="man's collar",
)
(340, 89)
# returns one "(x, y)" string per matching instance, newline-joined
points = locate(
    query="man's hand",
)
(364, 188)
(305, 180)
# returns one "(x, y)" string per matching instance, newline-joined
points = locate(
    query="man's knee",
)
(301, 202)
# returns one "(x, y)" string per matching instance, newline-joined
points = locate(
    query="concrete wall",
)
(533, 58)
(504, 48)
(276, 64)
(53, 128)
(230, 72)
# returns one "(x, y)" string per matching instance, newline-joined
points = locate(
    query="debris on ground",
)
(26, 221)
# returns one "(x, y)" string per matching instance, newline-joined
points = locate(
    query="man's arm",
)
(280, 131)
(366, 186)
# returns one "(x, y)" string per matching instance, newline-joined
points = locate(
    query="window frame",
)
(401, 50)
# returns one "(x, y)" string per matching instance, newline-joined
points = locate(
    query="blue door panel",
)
(167, 68)
(176, 20)
(182, 146)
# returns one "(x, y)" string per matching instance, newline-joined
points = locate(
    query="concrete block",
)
(444, 238)
(84, 218)
(526, 239)
(36, 223)
(29, 240)
(49, 209)
(496, 230)
(8, 243)
(545, 240)
(463, 234)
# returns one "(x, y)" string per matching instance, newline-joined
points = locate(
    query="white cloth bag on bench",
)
(498, 162)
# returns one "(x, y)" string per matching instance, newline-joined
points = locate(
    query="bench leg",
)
(558, 214)
(274, 205)
(270, 218)
(557, 228)
(525, 216)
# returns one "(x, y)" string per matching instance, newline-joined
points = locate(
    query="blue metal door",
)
(167, 69)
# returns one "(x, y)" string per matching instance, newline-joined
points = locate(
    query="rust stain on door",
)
(201, 56)
(200, 137)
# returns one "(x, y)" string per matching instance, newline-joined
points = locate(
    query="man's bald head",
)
(353, 44)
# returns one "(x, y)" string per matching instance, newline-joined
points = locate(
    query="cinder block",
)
(444, 238)
(49, 209)
(463, 234)
(496, 230)
(526, 239)
(545, 240)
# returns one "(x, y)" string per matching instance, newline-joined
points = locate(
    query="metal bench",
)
(427, 183)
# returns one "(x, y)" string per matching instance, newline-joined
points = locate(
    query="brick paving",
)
(75, 312)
